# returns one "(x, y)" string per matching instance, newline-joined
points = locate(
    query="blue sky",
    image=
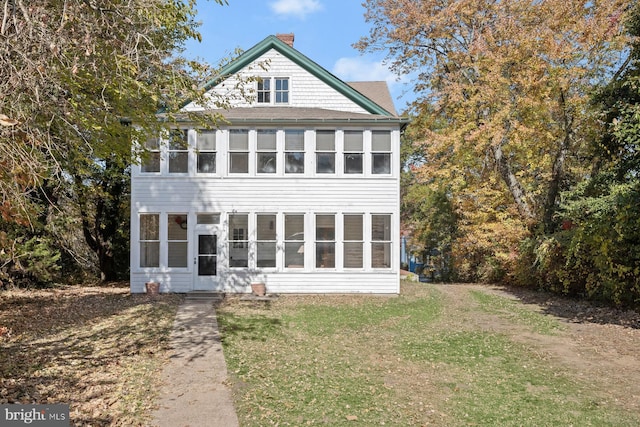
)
(325, 31)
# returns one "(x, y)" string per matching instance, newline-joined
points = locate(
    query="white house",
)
(299, 189)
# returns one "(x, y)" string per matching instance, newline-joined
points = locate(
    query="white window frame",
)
(267, 92)
(375, 151)
(202, 151)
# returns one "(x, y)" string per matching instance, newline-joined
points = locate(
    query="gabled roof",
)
(272, 42)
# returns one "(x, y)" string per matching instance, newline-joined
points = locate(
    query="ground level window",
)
(238, 240)
(294, 241)
(353, 241)
(177, 240)
(325, 241)
(149, 240)
(266, 240)
(381, 241)
(208, 218)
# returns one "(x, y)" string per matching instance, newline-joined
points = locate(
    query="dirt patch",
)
(600, 345)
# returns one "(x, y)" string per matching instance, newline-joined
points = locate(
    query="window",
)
(353, 152)
(206, 218)
(282, 90)
(238, 243)
(381, 241)
(264, 91)
(149, 240)
(266, 240)
(239, 151)
(178, 151)
(380, 152)
(151, 161)
(293, 151)
(325, 241)
(325, 151)
(294, 241)
(353, 241)
(177, 240)
(206, 151)
(266, 155)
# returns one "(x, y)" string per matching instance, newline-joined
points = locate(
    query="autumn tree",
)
(511, 79)
(598, 252)
(73, 75)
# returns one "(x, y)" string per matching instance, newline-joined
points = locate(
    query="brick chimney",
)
(286, 38)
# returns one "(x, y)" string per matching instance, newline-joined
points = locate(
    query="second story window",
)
(178, 152)
(239, 151)
(206, 151)
(293, 151)
(381, 152)
(353, 152)
(266, 155)
(151, 161)
(325, 151)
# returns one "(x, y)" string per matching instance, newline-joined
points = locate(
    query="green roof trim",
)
(272, 42)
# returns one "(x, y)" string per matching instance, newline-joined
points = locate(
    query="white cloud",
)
(297, 8)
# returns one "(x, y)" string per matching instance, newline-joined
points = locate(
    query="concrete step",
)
(204, 295)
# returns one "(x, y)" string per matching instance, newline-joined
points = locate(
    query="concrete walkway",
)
(194, 392)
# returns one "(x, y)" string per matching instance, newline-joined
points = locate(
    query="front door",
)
(206, 262)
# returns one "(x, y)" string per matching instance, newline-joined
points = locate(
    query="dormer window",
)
(273, 90)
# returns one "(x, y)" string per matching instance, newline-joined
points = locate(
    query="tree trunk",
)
(510, 179)
(557, 172)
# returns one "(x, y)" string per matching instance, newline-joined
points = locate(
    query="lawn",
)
(98, 349)
(464, 357)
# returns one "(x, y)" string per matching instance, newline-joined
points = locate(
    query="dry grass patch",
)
(99, 349)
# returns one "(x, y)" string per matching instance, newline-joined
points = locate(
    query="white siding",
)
(306, 90)
(190, 193)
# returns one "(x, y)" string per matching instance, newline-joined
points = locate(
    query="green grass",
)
(515, 312)
(405, 361)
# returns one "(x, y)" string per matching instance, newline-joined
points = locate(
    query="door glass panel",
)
(207, 255)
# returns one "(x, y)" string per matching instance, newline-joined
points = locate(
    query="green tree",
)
(71, 72)
(598, 254)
